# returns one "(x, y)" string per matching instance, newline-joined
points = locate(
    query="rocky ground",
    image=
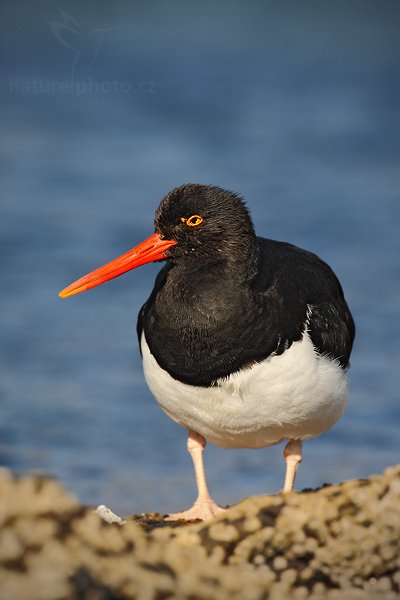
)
(338, 542)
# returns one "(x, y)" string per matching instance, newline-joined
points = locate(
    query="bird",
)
(245, 340)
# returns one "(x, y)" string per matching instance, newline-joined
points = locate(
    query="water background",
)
(107, 106)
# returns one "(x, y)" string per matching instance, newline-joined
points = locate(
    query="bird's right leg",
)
(204, 508)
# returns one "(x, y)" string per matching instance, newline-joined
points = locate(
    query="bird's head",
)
(205, 221)
(192, 223)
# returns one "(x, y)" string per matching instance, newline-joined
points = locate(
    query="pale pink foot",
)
(293, 456)
(205, 511)
(204, 508)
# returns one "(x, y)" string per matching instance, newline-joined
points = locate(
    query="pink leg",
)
(293, 456)
(204, 508)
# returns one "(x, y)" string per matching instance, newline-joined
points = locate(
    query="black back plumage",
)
(226, 298)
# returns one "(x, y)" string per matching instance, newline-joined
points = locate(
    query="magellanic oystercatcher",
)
(245, 340)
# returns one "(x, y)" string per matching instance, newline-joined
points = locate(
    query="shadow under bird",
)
(245, 340)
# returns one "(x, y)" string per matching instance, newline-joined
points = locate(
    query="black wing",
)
(307, 294)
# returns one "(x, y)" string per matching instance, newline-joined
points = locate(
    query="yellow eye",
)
(192, 221)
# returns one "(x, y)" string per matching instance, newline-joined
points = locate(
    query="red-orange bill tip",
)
(151, 249)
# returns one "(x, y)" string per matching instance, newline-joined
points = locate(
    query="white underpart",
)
(297, 395)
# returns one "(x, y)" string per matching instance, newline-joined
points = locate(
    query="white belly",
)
(295, 395)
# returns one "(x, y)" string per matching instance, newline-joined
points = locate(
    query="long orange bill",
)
(148, 251)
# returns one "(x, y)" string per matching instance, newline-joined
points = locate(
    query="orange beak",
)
(148, 251)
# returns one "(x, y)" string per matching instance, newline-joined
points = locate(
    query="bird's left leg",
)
(293, 456)
(204, 508)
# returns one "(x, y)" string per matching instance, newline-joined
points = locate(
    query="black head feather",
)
(226, 232)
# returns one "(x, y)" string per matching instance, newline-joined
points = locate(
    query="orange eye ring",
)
(192, 221)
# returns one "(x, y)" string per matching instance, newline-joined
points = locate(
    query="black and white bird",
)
(245, 340)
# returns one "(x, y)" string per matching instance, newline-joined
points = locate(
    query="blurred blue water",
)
(294, 106)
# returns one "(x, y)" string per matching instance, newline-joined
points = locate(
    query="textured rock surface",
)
(339, 542)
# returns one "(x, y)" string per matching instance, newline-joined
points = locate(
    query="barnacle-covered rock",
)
(341, 541)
